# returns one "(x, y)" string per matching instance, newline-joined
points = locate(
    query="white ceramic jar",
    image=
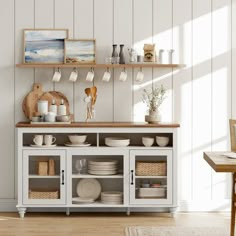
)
(42, 107)
(53, 107)
(61, 109)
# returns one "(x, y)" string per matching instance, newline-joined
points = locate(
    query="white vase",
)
(153, 117)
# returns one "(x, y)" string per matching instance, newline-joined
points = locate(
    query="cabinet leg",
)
(67, 211)
(128, 211)
(173, 211)
(22, 211)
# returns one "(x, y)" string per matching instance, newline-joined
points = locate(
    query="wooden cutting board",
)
(57, 96)
(29, 105)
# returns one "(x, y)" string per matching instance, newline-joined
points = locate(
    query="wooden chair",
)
(232, 125)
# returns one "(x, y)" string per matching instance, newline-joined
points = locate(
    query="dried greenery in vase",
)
(154, 98)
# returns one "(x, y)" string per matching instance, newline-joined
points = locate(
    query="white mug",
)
(123, 76)
(57, 76)
(38, 140)
(42, 107)
(106, 77)
(73, 76)
(90, 76)
(50, 117)
(140, 76)
(49, 139)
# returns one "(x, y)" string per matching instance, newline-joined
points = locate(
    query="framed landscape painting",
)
(44, 45)
(80, 51)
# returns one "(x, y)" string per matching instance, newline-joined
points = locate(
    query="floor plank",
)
(99, 224)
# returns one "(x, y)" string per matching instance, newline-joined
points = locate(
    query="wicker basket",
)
(39, 194)
(151, 168)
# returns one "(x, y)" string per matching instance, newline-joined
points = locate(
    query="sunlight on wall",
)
(201, 94)
(221, 28)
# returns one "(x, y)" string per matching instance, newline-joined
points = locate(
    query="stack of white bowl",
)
(117, 142)
(103, 167)
(112, 197)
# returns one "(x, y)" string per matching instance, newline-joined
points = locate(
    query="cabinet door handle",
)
(62, 177)
(132, 177)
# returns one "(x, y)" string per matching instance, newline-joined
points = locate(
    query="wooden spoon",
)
(93, 94)
(87, 91)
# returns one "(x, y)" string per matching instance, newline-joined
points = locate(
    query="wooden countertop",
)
(98, 125)
(219, 162)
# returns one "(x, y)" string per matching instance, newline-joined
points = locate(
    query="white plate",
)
(42, 146)
(93, 167)
(105, 172)
(82, 200)
(230, 155)
(103, 162)
(89, 188)
(111, 200)
(78, 145)
(112, 194)
(111, 203)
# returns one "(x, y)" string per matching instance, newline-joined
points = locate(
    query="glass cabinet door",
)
(151, 177)
(44, 177)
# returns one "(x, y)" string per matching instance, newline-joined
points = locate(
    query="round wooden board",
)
(29, 105)
(57, 96)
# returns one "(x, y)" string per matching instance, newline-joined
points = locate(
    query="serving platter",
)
(89, 188)
(231, 155)
(78, 144)
(43, 146)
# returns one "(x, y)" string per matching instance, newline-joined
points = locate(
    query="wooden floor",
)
(99, 224)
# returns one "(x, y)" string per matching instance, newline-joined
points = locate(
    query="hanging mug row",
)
(90, 75)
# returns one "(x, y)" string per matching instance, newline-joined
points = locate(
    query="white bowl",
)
(162, 141)
(117, 142)
(63, 118)
(147, 141)
(35, 119)
(77, 139)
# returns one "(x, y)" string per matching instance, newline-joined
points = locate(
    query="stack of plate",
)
(112, 197)
(103, 167)
(117, 142)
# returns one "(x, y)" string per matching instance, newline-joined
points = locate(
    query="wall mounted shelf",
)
(136, 65)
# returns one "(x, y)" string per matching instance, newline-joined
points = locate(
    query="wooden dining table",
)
(221, 163)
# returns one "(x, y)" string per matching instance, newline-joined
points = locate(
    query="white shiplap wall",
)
(200, 96)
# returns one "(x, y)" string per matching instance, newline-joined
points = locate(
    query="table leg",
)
(232, 226)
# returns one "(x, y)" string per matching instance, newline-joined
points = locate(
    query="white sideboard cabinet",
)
(38, 187)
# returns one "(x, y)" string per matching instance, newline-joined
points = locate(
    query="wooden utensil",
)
(87, 91)
(29, 105)
(93, 94)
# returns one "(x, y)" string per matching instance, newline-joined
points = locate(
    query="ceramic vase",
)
(153, 117)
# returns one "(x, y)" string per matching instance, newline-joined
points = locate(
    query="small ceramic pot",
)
(153, 117)
(50, 117)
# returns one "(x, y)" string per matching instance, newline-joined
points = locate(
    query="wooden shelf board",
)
(150, 177)
(119, 176)
(138, 65)
(96, 204)
(44, 176)
(25, 124)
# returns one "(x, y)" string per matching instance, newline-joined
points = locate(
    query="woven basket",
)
(151, 168)
(39, 194)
